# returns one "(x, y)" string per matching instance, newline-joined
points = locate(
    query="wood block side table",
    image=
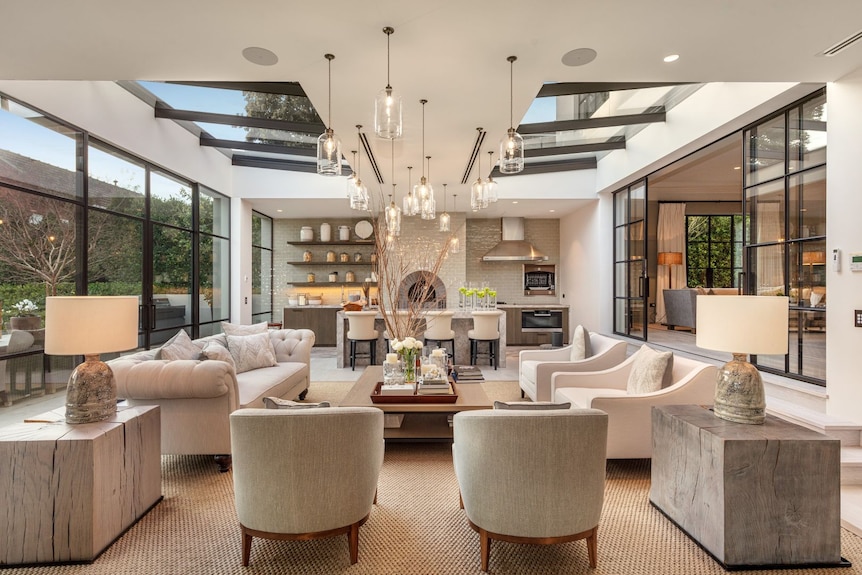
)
(69, 491)
(753, 496)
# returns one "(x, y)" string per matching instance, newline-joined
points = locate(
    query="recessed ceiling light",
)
(735, 167)
(579, 57)
(514, 201)
(260, 56)
(279, 211)
(671, 58)
(552, 211)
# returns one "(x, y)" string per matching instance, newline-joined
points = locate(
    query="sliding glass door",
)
(631, 283)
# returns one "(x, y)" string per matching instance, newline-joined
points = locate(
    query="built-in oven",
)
(541, 320)
(539, 279)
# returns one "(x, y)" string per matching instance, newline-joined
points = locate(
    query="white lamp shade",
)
(87, 325)
(742, 323)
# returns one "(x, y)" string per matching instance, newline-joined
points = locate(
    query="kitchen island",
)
(462, 322)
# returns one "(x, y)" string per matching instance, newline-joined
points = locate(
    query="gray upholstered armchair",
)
(530, 476)
(305, 473)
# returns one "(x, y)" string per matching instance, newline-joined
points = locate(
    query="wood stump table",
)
(753, 496)
(68, 491)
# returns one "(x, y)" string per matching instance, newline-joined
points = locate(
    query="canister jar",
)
(357, 257)
(306, 256)
(325, 232)
(350, 277)
(330, 256)
(310, 277)
(344, 233)
(306, 234)
(301, 298)
(333, 276)
(344, 257)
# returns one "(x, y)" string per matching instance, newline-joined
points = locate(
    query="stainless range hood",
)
(514, 248)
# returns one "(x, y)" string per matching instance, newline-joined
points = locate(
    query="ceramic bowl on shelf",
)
(314, 301)
(292, 301)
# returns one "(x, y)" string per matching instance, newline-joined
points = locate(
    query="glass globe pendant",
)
(429, 204)
(490, 183)
(445, 220)
(512, 145)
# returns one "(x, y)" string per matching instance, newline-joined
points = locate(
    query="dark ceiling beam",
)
(283, 88)
(274, 164)
(162, 111)
(604, 122)
(211, 142)
(616, 144)
(548, 167)
(571, 88)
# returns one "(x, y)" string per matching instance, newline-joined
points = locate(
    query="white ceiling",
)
(451, 53)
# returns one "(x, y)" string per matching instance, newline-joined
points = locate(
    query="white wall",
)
(240, 257)
(843, 206)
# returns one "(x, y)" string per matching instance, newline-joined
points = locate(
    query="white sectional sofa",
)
(197, 396)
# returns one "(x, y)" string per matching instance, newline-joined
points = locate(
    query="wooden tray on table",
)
(377, 397)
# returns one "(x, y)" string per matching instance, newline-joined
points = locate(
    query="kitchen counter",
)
(532, 306)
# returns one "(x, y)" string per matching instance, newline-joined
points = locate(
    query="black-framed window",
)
(261, 267)
(714, 250)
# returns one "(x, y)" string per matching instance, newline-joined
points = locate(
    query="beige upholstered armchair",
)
(535, 366)
(305, 473)
(530, 476)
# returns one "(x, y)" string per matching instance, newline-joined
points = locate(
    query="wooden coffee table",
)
(421, 421)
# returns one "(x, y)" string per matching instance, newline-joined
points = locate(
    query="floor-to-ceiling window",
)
(261, 267)
(80, 217)
(785, 200)
(631, 283)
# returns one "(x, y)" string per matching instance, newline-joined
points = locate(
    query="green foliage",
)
(279, 107)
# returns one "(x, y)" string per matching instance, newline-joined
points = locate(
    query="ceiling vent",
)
(842, 45)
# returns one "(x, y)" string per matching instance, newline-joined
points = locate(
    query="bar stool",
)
(438, 329)
(360, 328)
(485, 329)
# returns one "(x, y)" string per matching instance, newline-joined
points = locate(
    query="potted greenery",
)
(23, 316)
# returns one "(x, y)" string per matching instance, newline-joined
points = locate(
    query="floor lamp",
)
(669, 259)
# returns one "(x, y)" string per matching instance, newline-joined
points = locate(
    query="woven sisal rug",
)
(416, 528)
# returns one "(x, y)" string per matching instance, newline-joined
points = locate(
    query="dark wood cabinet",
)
(320, 320)
(514, 335)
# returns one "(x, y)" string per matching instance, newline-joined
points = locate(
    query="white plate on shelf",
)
(364, 229)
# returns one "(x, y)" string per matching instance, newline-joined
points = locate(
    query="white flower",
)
(417, 344)
(393, 342)
(25, 306)
(397, 345)
(409, 342)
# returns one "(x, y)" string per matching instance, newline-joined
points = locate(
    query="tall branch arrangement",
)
(397, 258)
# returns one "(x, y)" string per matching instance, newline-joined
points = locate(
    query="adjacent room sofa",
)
(197, 396)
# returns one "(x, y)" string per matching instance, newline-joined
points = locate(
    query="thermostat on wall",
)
(856, 262)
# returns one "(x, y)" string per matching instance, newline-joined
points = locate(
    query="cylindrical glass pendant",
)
(477, 195)
(511, 153)
(359, 199)
(328, 154)
(387, 114)
(429, 207)
(393, 219)
(445, 222)
(491, 190)
(454, 245)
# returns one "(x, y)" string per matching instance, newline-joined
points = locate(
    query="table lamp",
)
(669, 259)
(741, 325)
(88, 326)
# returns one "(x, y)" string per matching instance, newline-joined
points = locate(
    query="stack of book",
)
(440, 387)
(405, 389)
(468, 373)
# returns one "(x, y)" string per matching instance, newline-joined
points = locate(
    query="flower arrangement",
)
(25, 308)
(408, 349)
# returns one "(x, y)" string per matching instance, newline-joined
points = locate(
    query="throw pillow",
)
(580, 344)
(180, 346)
(530, 405)
(278, 403)
(215, 351)
(652, 370)
(239, 329)
(251, 351)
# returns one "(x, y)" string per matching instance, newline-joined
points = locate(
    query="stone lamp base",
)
(92, 392)
(739, 394)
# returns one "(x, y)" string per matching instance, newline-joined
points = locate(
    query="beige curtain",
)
(670, 238)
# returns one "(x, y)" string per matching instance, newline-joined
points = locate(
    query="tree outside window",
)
(714, 250)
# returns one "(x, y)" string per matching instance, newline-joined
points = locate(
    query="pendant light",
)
(490, 184)
(328, 144)
(411, 204)
(393, 212)
(445, 220)
(454, 242)
(512, 145)
(429, 204)
(387, 105)
(423, 189)
(351, 181)
(358, 192)
(478, 199)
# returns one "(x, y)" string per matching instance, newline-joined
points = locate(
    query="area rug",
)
(416, 528)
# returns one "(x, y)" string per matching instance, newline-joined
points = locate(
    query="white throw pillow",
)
(580, 344)
(251, 351)
(215, 351)
(180, 346)
(652, 370)
(239, 329)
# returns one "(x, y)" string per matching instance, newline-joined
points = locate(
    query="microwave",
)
(540, 279)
